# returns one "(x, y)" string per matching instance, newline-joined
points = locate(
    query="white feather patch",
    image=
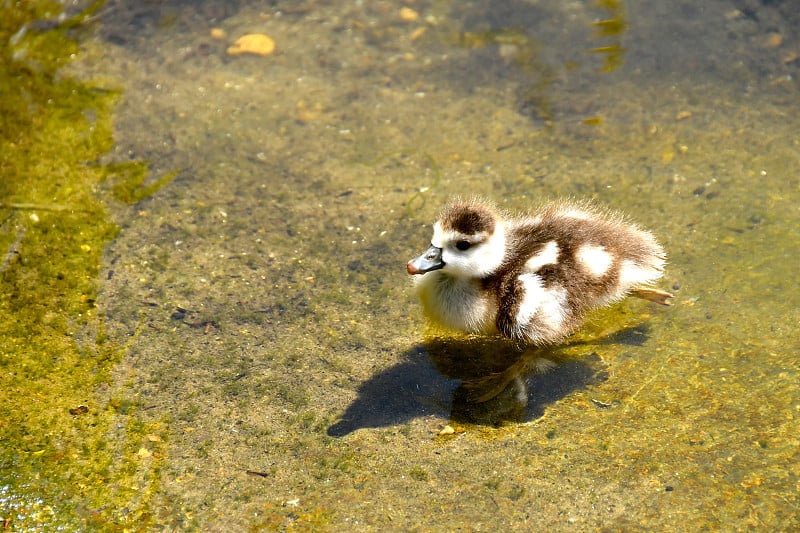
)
(479, 260)
(531, 300)
(552, 310)
(440, 236)
(545, 306)
(594, 259)
(571, 212)
(632, 274)
(547, 256)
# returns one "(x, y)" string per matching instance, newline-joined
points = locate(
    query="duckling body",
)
(532, 278)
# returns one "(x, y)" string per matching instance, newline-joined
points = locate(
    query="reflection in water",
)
(612, 28)
(505, 382)
(514, 30)
(479, 380)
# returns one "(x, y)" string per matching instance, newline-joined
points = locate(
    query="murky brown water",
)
(275, 363)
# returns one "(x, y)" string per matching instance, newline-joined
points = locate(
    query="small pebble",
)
(447, 430)
(218, 34)
(734, 14)
(790, 57)
(253, 43)
(144, 453)
(773, 40)
(419, 32)
(408, 15)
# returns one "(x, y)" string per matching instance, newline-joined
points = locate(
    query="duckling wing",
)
(535, 311)
(533, 300)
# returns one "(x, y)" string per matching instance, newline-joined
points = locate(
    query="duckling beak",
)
(430, 260)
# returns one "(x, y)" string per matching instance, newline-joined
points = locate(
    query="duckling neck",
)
(455, 302)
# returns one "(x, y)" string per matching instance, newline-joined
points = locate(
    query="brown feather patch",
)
(468, 218)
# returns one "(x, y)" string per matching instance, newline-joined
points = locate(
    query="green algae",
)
(59, 468)
(129, 181)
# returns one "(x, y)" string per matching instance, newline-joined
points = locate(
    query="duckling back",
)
(566, 261)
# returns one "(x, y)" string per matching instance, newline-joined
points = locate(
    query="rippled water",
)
(274, 371)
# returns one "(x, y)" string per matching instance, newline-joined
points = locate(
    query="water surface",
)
(266, 366)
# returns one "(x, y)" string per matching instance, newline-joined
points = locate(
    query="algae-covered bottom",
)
(61, 429)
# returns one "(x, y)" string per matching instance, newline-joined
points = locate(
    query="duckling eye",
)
(463, 245)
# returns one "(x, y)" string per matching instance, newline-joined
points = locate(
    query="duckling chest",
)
(456, 303)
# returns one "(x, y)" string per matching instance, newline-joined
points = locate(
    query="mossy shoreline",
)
(58, 466)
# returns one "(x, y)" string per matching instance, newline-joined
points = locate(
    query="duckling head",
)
(468, 242)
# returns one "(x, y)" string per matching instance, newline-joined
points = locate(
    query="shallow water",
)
(269, 367)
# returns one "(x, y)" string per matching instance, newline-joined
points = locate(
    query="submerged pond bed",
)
(205, 319)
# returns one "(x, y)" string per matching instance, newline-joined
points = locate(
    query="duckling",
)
(533, 278)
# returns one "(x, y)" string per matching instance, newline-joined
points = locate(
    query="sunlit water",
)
(261, 300)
